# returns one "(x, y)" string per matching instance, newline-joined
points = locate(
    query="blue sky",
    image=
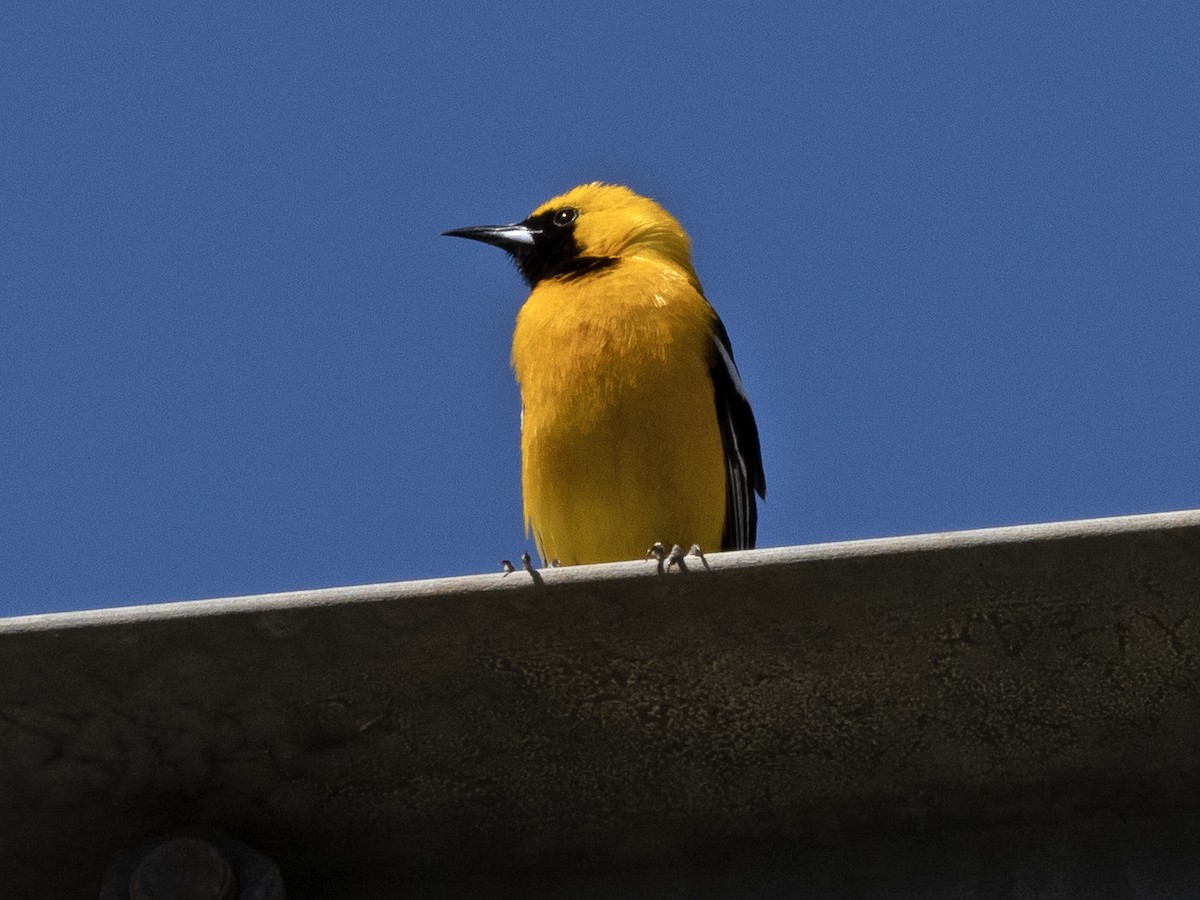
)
(956, 246)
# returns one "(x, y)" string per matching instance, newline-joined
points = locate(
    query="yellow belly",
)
(620, 442)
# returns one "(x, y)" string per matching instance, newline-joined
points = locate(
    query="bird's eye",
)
(565, 217)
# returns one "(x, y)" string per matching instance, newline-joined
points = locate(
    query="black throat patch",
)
(554, 252)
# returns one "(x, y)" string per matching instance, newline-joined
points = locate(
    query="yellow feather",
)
(620, 443)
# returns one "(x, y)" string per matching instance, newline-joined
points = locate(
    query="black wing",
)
(743, 456)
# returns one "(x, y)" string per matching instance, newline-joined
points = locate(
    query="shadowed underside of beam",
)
(945, 711)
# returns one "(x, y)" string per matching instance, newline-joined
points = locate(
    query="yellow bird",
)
(635, 426)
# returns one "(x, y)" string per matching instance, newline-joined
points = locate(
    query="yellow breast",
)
(620, 442)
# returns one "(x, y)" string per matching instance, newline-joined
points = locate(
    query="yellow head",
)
(588, 228)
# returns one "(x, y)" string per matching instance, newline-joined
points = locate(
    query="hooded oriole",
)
(635, 427)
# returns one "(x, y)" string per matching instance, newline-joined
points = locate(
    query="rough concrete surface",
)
(1009, 712)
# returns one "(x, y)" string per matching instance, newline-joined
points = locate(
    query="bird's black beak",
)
(516, 239)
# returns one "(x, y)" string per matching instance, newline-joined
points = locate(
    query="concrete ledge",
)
(889, 715)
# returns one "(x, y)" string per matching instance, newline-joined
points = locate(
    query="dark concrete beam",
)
(820, 713)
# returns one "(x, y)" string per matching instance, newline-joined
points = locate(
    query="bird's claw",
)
(658, 553)
(675, 558)
(526, 564)
(669, 559)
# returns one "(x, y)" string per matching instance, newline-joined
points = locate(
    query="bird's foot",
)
(658, 553)
(526, 564)
(675, 557)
